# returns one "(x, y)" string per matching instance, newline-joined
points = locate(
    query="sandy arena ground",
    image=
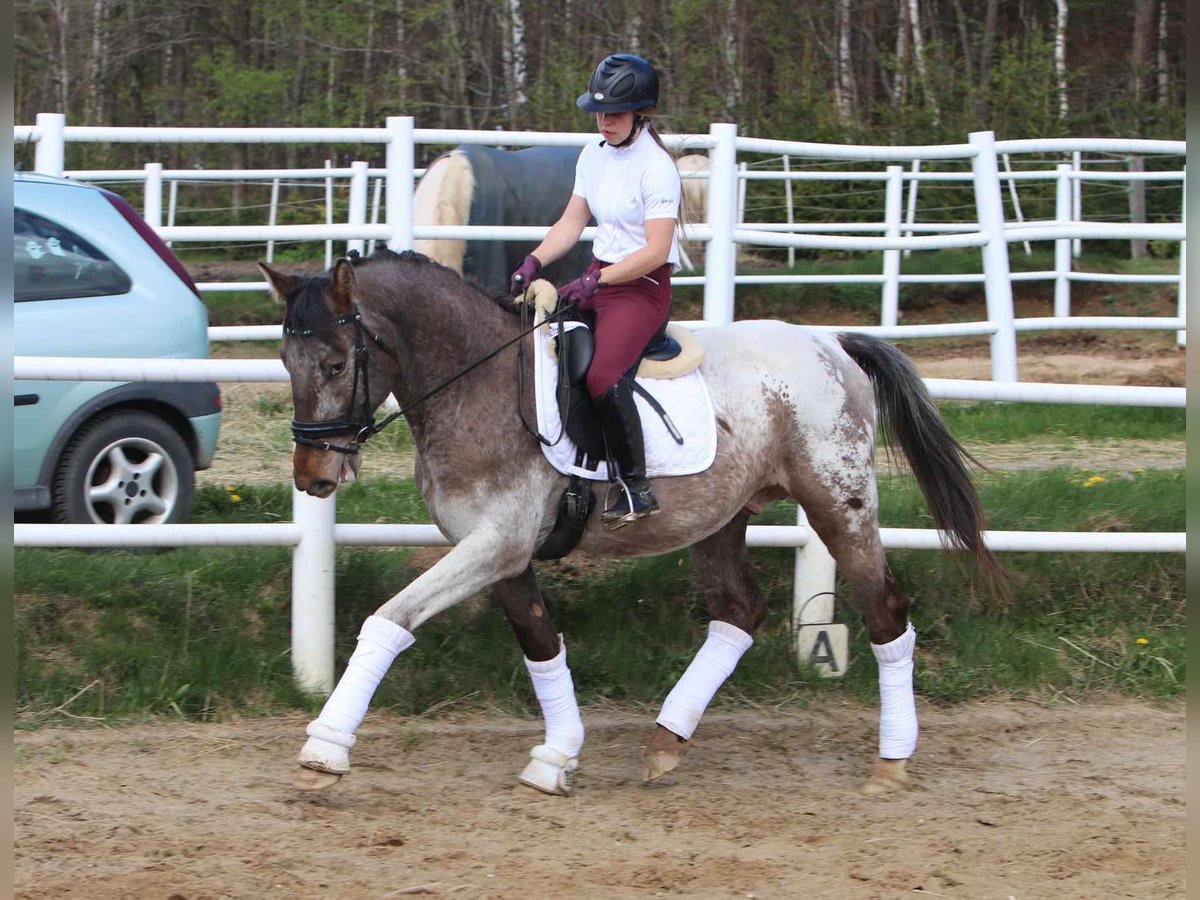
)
(1012, 799)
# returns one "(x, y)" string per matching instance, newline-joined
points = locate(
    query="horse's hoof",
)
(324, 756)
(889, 775)
(311, 780)
(549, 771)
(664, 752)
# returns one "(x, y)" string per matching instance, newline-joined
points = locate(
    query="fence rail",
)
(314, 533)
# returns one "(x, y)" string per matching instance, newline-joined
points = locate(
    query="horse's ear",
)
(283, 286)
(342, 292)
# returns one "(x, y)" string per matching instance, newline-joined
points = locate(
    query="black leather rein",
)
(312, 434)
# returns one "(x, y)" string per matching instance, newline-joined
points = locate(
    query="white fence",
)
(314, 532)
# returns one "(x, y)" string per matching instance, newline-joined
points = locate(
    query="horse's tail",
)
(909, 419)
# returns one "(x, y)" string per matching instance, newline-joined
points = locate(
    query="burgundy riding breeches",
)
(627, 316)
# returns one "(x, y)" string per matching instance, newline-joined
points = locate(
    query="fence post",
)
(911, 215)
(152, 195)
(1016, 200)
(1077, 199)
(818, 641)
(329, 213)
(893, 200)
(1181, 336)
(787, 196)
(172, 204)
(720, 258)
(1137, 206)
(50, 153)
(989, 209)
(313, 568)
(358, 202)
(1062, 245)
(400, 163)
(272, 216)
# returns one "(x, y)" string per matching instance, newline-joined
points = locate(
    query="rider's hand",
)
(524, 275)
(581, 289)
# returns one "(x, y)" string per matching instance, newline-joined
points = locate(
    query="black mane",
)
(308, 313)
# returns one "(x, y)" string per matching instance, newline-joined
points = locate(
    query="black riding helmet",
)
(622, 82)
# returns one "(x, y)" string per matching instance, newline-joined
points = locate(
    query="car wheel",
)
(125, 467)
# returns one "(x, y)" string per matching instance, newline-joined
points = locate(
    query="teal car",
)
(91, 279)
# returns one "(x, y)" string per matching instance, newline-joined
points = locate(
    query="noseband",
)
(310, 434)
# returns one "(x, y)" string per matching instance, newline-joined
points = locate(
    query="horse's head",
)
(341, 371)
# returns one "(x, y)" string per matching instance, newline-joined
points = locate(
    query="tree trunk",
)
(843, 87)
(1060, 60)
(914, 9)
(513, 52)
(95, 113)
(1163, 70)
(368, 65)
(733, 76)
(401, 52)
(62, 67)
(983, 107)
(964, 41)
(900, 85)
(1143, 52)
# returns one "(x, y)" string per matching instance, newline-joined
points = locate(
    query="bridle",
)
(311, 434)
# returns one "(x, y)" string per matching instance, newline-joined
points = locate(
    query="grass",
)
(203, 633)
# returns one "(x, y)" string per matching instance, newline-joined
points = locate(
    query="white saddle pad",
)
(685, 399)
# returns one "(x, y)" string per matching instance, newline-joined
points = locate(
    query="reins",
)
(310, 433)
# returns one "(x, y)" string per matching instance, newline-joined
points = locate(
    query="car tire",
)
(125, 467)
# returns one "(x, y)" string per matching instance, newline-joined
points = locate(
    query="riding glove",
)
(581, 289)
(524, 275)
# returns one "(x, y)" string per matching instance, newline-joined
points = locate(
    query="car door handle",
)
(25, 399)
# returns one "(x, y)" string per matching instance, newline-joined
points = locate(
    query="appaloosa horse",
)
(796, 416)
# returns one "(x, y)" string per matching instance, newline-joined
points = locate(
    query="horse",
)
(476, 185)
(795, 417)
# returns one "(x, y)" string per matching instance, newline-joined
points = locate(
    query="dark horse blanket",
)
(519, 187)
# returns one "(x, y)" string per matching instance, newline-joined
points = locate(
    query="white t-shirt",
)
(623, 187)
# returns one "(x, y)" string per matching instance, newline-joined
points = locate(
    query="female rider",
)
(628, 182)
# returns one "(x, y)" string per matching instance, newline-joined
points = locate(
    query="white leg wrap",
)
(714, 663)
(897, 707)
(331, 735)
(556, 695)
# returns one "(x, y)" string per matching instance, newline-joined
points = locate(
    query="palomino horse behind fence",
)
(795, 417)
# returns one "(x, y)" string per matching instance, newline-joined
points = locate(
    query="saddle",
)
(671, 353)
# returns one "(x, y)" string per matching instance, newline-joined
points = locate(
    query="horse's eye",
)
(337, 368)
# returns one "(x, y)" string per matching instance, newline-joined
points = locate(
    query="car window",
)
(51, 262)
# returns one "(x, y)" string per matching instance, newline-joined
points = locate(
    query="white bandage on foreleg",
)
(897, 706)
(379, 643)
(556, 695)
(714, 663)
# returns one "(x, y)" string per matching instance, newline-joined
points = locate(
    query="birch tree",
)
(1060, 59)
(844, 84)
(914, 12)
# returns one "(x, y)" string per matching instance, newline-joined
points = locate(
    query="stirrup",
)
(615, 516)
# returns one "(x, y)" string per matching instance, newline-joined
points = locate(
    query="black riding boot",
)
(623, 434)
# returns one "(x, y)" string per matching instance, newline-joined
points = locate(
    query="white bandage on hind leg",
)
(555, 690)
(897, 706)
(379, 643)
(714, 663)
